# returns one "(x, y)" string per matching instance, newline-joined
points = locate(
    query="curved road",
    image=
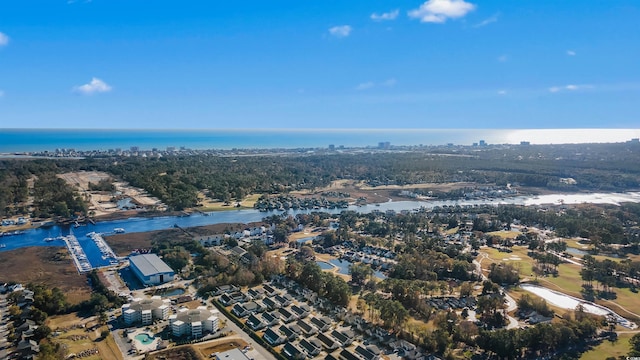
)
(511, 303)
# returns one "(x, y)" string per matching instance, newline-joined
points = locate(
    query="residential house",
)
(273, 338)
(312, 348)
(230, 299)
(269, 291)
(322, 323)
(327, 342)
(342, 338)
(225, 289)
(287, 332)
(28, 349)
(348, 355)
(239, 310)
(254, 323)
(210, 240)
(238, 251)
(255, 294)
(306, 328)
(286, 316)
(301, 311)
(270, 318)
(270, 303)
(366, 354)
(292, 352)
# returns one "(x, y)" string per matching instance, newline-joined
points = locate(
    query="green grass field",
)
(607, 349)
(505, 234)
(568, 280)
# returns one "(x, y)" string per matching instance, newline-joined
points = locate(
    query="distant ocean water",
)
(30, 140)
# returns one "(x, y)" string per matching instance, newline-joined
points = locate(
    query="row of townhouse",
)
(217, 239)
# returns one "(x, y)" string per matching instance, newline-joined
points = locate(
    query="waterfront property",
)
(150, 269)
(145, 310)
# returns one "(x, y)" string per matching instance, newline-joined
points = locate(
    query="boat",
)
(118, 230)
(3, 245)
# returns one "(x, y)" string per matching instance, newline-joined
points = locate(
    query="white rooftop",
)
(150, 264)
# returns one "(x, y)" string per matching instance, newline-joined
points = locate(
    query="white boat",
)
(118, 230)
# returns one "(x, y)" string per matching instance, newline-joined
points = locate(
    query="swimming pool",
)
(144, 338)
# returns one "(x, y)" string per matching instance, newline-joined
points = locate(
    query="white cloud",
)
(438, 11)
(340, 31)
(370, 84)
(365, 86)
(4, 39)
(503, 58)
(1, 93)
(502, 92)
(571, 53)
(390, 82)
(391, 15)
(487, 21)
(93, 87)
(571, 87)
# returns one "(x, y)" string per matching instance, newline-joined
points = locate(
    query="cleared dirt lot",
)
(78, 335)
(378, 194)
(45, 265)
(100, 202)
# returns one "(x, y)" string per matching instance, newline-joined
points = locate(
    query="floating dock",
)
(105, 249)
(77, 254)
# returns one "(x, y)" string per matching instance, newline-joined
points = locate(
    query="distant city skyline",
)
(435, 64)
(30, 140)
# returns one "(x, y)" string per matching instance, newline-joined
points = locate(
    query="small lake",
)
(306, 239)
(343, 267)
(569, 302)
(575, 251)
(324, 265)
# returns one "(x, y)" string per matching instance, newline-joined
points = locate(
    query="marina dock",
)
(77, 254)
(105, 249)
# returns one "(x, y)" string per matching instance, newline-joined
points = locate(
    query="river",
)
(35, 237)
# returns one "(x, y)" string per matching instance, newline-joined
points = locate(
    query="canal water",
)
(35, 237)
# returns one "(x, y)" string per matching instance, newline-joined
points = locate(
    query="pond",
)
(575, 251)
(324, 265)
(569, 302)
(144, 338)
(343, 267)
(305, 239)
(170, 292)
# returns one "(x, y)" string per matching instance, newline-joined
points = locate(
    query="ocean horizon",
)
(36, 140)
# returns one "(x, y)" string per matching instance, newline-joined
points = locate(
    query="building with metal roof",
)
(150, 269)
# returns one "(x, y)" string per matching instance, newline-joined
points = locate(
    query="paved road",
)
(261, 351)
(511, 303)
(4, 311)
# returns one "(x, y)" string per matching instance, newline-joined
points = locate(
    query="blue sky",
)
(320, 64)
